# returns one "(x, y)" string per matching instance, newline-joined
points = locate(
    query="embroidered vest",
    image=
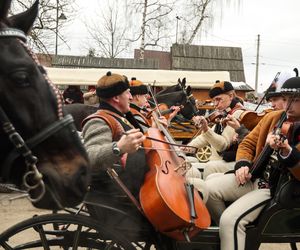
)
(137, 113)
(135, 167)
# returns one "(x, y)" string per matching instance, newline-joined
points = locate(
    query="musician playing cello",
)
(139, 102)
(107, 145)
(113, 139)
(251, 192)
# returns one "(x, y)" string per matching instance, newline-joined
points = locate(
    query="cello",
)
(172, 206)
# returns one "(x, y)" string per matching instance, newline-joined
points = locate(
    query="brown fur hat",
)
(137, 87)
(111, 85)
(220, 88)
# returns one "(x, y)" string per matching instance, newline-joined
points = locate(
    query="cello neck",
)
(167, 135)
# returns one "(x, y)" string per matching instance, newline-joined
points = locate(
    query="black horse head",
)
(31, 104)
(173, 88)
(182, 97)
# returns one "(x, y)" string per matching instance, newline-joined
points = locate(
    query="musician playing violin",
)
(220, 136)
(252, 184)
(274, 96)
(140, 107)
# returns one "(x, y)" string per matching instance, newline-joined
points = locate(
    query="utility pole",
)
(257, 64)
(61, 17)
(177, 19)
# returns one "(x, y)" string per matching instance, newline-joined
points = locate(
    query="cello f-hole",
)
(167, 168)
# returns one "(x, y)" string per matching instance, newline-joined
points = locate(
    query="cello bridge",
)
(183, 168)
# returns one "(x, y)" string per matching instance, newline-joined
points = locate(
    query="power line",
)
(280, 60)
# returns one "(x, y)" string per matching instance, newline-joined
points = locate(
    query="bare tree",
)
(48, 24)
(200, 8)
(199, 14)
(154, 22)
(108, 32)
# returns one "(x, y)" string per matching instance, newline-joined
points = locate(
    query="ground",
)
(21, 209)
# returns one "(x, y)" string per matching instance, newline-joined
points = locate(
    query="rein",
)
(30, 159)
(20, 146)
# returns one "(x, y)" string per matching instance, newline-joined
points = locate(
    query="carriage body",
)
(278, 223)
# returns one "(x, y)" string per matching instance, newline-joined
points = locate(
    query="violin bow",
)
(154, 98)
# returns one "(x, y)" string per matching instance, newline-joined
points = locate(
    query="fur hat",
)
(220, 88)
(137, 87)
(275, 88)
(111, 85)
(291, 86)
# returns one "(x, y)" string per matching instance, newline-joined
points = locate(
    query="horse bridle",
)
(20, 146)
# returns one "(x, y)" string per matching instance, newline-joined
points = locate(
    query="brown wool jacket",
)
(250, 148)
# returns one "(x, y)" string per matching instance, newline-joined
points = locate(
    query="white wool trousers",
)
(247, 203)
(212, 167)
(193, 176)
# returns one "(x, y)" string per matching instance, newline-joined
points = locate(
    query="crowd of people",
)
(234, 193)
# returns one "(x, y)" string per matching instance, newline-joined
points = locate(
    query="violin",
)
(285, 128)
(281, 127)
(213, 118)
(284, 132)
(163, 110)
(251, 118)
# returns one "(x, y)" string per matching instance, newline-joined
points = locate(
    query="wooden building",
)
(199, 81)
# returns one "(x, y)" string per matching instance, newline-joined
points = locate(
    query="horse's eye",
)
(21, 79)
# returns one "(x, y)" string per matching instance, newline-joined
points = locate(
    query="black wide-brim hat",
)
(272, 93)
(291, 86)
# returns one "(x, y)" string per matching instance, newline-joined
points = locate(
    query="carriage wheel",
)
(61, 231)
(203, 154)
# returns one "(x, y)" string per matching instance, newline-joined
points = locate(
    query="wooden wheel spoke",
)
(203, 154)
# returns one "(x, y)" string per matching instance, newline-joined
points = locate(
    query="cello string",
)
(154, 99)
(169, 143)
(161, 149)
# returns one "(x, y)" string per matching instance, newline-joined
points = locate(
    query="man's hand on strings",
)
(201, 123)
(232, 122)
(175, 109)
(163, 120)
(279, 143)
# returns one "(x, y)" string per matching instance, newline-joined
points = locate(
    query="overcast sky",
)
(276, 21)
